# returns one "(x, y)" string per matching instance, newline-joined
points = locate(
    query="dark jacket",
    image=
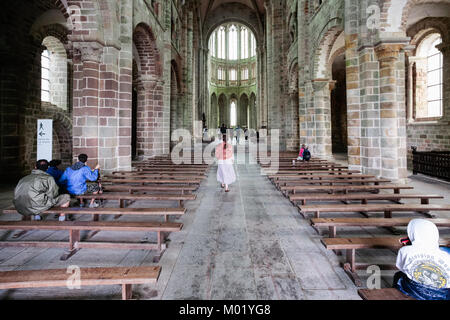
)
(55, 173)
(35, 193)
(74, 178)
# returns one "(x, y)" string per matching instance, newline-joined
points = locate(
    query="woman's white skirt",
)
(225, 173)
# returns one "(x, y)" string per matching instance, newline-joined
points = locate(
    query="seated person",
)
(38, 192)
(54, 171)
(74, 179)
(424, 267)
(306, 154)
(300, 154)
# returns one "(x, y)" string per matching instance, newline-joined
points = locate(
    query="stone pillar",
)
(322, 118)
(353, 83)
(86, 83)
(392, 119)
(150, 127)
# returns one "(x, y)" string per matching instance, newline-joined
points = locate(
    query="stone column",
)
(392, 120)
(322, 118)
(86, 84)
(146, 118)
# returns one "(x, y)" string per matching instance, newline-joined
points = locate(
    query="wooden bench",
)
(333, 223)
(123, 197)
(345, 189)
(388, 209)
(319, 177)
(75, 227)
(313, 172)
(383, 294)
(173, 176)
(111, 211)
(159, 188)
(154, 181)
(363, 197)
(331, 182)
(157, 171)
(350, 245)
(124, 276)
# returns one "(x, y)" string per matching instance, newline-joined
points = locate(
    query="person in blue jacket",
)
(54, 171)
(75, 179)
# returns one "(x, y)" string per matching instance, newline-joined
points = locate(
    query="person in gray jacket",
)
(38, 192)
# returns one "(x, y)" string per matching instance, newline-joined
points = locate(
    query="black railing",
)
(432, 163)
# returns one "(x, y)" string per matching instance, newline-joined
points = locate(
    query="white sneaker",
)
(94, 205)
(36, 218)
(62, 218)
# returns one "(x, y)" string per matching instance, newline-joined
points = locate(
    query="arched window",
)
(221, 43)
(54, 73)
(45, 76)
(233, 113)
(233, 43)
(244, 43)
(233, 75)
(428, 79)
(252, 45)
(434, 80)
(212, 44)
(244, 75)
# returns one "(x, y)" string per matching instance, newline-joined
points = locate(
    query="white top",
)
(423, 261)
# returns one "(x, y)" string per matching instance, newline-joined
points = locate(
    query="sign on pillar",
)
(44, 139)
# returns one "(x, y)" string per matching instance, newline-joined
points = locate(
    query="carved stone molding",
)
(89, 51)
(321, 84)
(388, 51)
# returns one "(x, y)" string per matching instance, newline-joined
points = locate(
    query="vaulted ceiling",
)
(208, 6)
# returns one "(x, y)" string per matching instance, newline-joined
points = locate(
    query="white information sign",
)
(44, 139)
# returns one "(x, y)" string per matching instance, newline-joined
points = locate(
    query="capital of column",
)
(89, 51)
(321, 84)
(387, 52)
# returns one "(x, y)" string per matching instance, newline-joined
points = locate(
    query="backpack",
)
(306, 155)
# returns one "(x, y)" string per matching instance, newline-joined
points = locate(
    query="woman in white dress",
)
(225, 157)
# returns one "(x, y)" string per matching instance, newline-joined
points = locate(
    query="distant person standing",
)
(223, 129)
(225, 157)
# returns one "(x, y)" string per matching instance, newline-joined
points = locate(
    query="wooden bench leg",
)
(332, 232)
(74, 237)
(350, 267)
(388, 214)
(127, 291)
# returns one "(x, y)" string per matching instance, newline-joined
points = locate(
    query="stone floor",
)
(250, 243)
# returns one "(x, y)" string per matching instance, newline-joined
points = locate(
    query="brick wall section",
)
(20, 95)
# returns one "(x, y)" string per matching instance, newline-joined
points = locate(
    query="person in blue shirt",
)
(54, 171)
(75, 178)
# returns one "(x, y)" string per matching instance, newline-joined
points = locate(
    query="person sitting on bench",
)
(74, 179)
(424, 267)
(38, 192)
(54, 171)
(300, 154)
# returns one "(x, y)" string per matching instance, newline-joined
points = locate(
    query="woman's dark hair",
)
(83, 157)
(224, 139)
(55, 163)
(42, 165)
